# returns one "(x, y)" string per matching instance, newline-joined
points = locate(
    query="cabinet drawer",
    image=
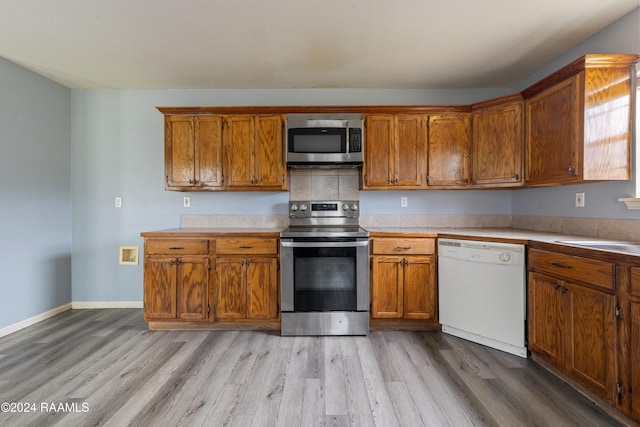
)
(573, 268)
(635, 281)
(246, 245)
(175, 247)
(398, 246)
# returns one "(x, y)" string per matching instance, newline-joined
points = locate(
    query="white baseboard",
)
(79, 305)
(33, 320)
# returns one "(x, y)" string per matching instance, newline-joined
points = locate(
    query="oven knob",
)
(294, 207)
(345, 207)
(354, 207)
(303, 207)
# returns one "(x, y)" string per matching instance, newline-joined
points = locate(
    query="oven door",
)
(320, 274)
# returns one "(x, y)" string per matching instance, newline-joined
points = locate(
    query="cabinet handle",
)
(564, 289)
(517, 177)
(571, 170)
(556, 286)
(246, 247)
(176, 248)
(556, 264)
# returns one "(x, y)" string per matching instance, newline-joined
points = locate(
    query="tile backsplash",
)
(324, 184)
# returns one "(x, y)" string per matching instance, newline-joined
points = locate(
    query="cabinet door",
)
(448, 148)
(239, 143)
(420, 299)
(379, 169)
(498, 140)
(387, 287)
(231, 288)
(634, 351)
(269, 161)
(411, 136)
(590, 339)
(552, 123)
(545, 317)
(208, 151)
(160, 288)
(192, 280)
(179, 151)
(262, 288)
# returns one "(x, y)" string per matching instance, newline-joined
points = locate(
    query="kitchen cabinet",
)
(176, 274)
(246, 278)
(395, 150)
(498, 142)
(572, 318)
(403, 279)
(254, 152)
(448, 150)
(193, 152)
(634, 342)
(578, 122)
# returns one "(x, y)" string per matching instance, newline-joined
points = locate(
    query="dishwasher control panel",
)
(486, 252)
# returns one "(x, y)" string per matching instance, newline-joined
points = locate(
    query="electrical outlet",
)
(403, 202)
(118, 202)
(186, 202)
(579, 200)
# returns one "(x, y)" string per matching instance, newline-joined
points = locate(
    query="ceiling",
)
(198, 44)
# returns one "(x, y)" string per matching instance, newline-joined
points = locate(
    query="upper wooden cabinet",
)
(224, 152)
(578, 122)
(193, 152)
(395, 149)
(254, 152)
(497, 143)
(448, 149)
(415, 151)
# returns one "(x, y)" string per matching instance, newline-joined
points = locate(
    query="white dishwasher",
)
(482, 293)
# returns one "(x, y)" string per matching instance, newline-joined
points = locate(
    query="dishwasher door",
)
(482, 293)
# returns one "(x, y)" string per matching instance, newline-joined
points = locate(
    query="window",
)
(634, 202)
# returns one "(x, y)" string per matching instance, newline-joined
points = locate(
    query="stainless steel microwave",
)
(325, 140)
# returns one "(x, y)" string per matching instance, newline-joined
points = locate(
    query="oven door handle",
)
(324, 244)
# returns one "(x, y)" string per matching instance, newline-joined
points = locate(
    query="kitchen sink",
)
(629, 247)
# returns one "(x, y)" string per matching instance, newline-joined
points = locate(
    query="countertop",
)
(502, 235)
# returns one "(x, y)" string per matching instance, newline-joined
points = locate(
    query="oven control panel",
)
(324, 209)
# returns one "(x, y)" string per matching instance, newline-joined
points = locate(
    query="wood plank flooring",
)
(108, 369)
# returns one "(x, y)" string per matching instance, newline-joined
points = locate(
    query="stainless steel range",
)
(324, 270)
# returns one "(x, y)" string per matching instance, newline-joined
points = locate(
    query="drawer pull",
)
(556, 264)
(402, 248)
(246, 247)
(176, 248)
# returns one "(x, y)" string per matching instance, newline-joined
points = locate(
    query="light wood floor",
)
(117, 373)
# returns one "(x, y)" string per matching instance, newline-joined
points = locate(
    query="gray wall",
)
(601, 199)
(35, 211)
(117, 139)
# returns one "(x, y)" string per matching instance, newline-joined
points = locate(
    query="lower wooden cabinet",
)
(246, 278)
(634, 342)
(573, 325)
(210, 280)
(403, 286)
(246, 288)
(176, 277)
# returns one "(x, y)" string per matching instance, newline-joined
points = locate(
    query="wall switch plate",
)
(579, 200)
(186, 202)
(403, 202)
(118, 202)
